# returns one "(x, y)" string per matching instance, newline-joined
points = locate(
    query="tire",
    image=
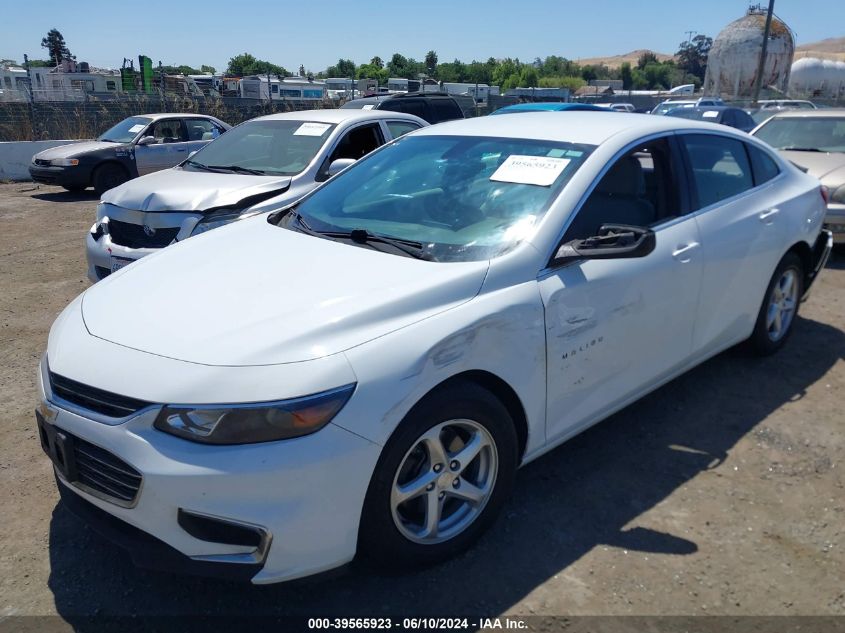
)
(776, 320)
(108, 176)
(392, 534)
(74, 188)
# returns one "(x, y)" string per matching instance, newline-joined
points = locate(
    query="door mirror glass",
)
(147, 140)
(613, 241)
(191, 155)
(339, 164)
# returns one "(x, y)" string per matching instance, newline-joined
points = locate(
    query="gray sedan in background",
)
(815, 141)
(136, 146)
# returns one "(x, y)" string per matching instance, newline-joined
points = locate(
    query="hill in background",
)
(831, 48)
(615, 61)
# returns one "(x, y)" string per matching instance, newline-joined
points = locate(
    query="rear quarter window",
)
(763, 166)
(411, 106)
(720, 167)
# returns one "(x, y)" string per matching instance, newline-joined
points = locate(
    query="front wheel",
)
(780, 306)
(441, 480)
(108, 176)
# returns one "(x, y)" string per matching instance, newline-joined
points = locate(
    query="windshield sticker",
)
(312, 129)
(710, 114)
(368, 106)
(556, 153)
(137, 128)
(530, 170)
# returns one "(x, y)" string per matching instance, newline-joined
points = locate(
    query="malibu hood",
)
(75, 149)
(181, 190)
(256, 294)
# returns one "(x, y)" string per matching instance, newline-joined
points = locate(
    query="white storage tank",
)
(735, 56)
(813, 77)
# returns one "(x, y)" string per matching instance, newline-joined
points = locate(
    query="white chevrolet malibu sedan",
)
(362, 372)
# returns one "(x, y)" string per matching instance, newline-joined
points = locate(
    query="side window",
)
(445, 110)
(201, 130)
(639, 189)
(398, 128)
(358, 142)
(762, 164)
(411, 106)
(720, 167)
(168, 131)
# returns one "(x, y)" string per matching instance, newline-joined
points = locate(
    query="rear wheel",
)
(109, 176)
(780, 306)
(441, 480)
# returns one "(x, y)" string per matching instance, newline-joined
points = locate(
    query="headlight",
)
(249, 423)
(838, 195)
(220, 218)
(64, 162)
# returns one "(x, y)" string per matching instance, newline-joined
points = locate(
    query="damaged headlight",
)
(838, 196)
(220, 218)
(249, 423)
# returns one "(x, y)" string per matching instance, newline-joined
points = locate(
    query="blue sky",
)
(316, 34)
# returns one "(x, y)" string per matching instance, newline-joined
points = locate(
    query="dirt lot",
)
(722, 493)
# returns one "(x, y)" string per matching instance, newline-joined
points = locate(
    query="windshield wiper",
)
(363, 236)
(198, 165)
(238, 169)
(801, 149)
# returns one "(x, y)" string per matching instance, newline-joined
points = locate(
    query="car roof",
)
(336, 115)
(157, 116)
(591, 128)
(552, 106)
(810, 114)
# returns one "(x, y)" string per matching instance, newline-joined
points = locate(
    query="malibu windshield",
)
(459, 198)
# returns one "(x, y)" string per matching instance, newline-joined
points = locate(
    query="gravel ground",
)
(721, 493)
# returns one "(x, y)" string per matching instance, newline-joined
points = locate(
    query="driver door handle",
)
(768, 215)
(682, 252)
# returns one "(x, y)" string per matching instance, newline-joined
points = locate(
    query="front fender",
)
(500, 332)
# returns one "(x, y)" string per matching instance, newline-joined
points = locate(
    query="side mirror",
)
(146, 140)
(191, 155)
(614, 241)
(339, 165)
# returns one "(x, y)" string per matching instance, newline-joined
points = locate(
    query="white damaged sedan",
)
(362, 373)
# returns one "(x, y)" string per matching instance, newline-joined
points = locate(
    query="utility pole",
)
(689, 35)
(762, 65)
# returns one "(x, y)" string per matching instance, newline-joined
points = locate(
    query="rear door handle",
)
(682, 253)
(768, 215)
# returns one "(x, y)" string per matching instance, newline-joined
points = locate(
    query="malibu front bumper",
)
(265, 512)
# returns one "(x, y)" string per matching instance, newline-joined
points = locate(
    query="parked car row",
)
(399, 315)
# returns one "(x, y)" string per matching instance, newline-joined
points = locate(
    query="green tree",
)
(376, 61)
(207, 69)
(626, 76)
(246, 64)
(431, 63)
(692, 55)
(397, 66)
(54, 42)
(647, 58)
(528, 77)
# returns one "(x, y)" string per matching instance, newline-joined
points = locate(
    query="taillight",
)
(825, 194)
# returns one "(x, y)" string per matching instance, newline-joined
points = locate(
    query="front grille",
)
(133, 235)
(105, 473)
(102, 272)
(41, 162)
(104, 402)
